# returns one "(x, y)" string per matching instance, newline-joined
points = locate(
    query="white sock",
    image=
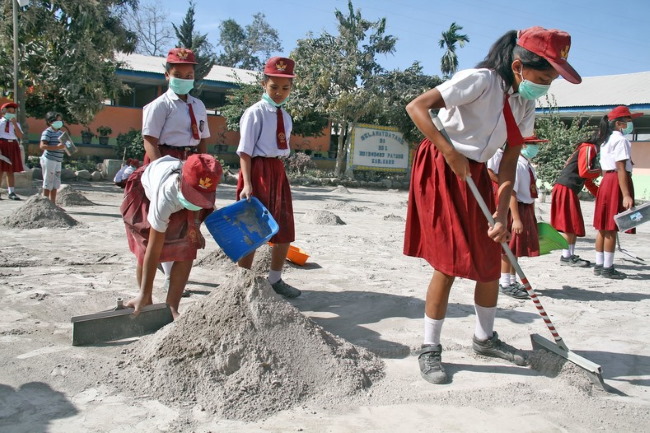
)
(513, 278)
(167, 268)
(484, 322)
(10, 189)
(274, 276)
(505, 279)
(608, 261)
(600, 258)
(432, 330)
(572, 249)
(566, 253)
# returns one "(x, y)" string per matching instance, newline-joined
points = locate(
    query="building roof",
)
(150, 69)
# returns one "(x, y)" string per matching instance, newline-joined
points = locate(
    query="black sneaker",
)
(514, 290)
(612, 273)
(13, 196)
(496, 348)
(598, 269)
(575, 261)
(431, 369)
(282, 288)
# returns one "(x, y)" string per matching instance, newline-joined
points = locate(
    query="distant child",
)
(265, 129)
(176, 123)
(481, 109)
(10, 135)
(524, 241)
(164, 204)
(52, 155)
(616, 191)
(580, 170)
(125, 171)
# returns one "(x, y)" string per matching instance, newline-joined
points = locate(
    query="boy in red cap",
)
(164, 204)
(481, 109)
(616, 191)
(265, 129)
(10, 133)
(176, 123)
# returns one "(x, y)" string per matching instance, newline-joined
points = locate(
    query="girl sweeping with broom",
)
(481, 109)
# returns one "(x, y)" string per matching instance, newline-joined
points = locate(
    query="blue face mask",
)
(530, 151)
(628, 128)
(58, 124)
(180, 86)
(270, 100)
(10, 116)
(186, 204)
(530, 90)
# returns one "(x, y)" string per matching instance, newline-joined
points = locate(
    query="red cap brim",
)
(198, 198)
(566, 71)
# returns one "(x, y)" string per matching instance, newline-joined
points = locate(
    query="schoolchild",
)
(524, 240)
(10, 135)
(580, 170)
(481, 109)
(265, 129)
(125, 171)
(176, 123)
(52, 156)
(164, 204)
(616, 191)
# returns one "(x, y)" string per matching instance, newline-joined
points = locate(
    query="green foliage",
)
(67, 55)
(563, 138)
(299, 162)
(104, 130)
(249, 47)
(89, 163)
(130, 145)
(449, 39)
(238, 101)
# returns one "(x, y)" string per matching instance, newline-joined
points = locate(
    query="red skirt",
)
(526, 243)
(444, 223)
(566, 214)
(179, 153)
(609, 202)
(182, 238)
(271, 187)
(11, 150)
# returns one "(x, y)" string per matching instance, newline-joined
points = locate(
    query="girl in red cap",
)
(265, 129)
(10, 134)
(616, 191)
(481, 109)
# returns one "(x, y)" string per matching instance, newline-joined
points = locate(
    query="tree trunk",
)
(341, 153)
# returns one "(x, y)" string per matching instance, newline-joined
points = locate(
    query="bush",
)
(299, 163)
(130, 145)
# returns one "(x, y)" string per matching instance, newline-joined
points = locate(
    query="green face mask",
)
(180, 86)
(270, 100)
(628, 128)
(530, 151)
(57, 124)
(10, 116)
(531, 91)
(186, 204)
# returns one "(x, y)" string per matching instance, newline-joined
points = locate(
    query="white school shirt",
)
(258, 131)
(521, 188)
(494, 162)
(473, 113)
(160, 183)
(616, 148)
(168, 119)
(11, 135)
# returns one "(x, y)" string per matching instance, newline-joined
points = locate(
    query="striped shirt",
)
(51, 137)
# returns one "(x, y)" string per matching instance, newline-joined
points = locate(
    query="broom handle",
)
(506, 248)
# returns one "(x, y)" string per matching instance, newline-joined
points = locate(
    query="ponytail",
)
(500, 57)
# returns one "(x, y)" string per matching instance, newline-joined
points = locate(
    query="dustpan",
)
(242, 227)
(550, 239)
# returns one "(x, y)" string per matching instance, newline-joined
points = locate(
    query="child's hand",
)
(138, 303)
(517, 226)
(628, 202)
(246, 192)
(499, 232)
(458, 163)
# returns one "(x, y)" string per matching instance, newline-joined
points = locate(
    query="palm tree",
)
(449, 60)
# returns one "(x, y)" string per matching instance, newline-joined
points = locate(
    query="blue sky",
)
(608, 37)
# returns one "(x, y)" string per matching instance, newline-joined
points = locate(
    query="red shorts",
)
(10, 149)
(526, 243)
(609, 202)
(566, 214)
(444, 223)
(271, 187)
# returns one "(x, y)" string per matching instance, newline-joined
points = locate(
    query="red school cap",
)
(8, 105)
(181, 55)
(199, 179)
(279, 67)
(622, 111)
(533, 139)
(553, 45)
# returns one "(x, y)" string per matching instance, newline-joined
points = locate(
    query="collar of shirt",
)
(174, 97)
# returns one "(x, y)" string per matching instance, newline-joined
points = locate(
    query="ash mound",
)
(39, 212)
(68, 196)
(245, 353)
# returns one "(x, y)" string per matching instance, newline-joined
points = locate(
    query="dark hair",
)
(265, 78)
(168, 66)
(504, 51)
(51, 116)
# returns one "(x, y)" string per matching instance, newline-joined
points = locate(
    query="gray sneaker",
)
(282, 288)
(598, 269)
(612, 273)
(514, 290)
(575, 261)
(496, 348)
(431, 369)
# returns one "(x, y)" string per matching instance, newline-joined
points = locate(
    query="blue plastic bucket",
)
(242, 227)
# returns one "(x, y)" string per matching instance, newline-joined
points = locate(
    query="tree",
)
(449, 60)
(247, 48)
(332, 73)
(149, 23)
(203, 50)
(67, 60)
